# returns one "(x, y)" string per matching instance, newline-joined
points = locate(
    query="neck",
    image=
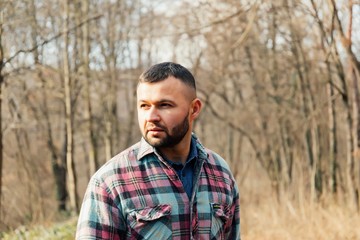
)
(178, 153)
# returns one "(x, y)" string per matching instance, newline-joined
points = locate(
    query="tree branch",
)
(49, 39)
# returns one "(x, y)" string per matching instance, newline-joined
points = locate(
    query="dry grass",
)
(264, 218)
(269, 220)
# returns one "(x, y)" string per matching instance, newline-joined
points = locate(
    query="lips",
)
(154, 129)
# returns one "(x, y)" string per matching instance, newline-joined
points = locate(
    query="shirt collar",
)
(144, 149)
(201, 151)
(193, 150)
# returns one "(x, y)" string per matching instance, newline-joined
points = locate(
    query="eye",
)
(165, 105)
(143, 106)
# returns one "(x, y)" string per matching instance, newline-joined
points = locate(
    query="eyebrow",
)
(159, 101)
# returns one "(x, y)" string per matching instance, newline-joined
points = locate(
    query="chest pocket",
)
(220, 220)
(150, 223)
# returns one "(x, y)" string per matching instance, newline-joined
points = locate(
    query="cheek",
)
(173, 120)
(141, 120)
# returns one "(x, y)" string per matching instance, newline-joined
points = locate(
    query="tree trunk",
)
(349, 131)
(70, 165)
(332, 123)
(58, 163)
(311, 137)
(346, 40)
(1, 117)
(93, 161)
(332, 134)
(282, 160)
(354, 74)
(58, 167)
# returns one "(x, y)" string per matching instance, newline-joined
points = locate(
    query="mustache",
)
(155, 126)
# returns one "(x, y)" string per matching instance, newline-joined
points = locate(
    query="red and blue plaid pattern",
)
(138, 195)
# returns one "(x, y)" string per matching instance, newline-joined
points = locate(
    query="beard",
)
(172, 136)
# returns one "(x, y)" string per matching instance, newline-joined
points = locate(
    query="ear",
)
(195, 110)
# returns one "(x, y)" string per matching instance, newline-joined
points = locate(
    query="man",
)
(167, 186)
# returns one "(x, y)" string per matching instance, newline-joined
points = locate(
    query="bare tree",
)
(70, 164)
(352, 180)
(1, 94)
(93, 161)
(325, 43)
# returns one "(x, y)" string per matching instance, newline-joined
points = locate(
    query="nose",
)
(152, 115)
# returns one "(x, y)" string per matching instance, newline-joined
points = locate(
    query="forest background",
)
(279, 81)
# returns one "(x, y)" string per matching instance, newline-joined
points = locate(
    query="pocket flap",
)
(221, 211)
(152, 213)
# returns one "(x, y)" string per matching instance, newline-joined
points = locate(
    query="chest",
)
(153, 197)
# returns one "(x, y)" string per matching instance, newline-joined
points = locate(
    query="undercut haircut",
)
(162, 71)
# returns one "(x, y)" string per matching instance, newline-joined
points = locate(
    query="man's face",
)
(164, 112)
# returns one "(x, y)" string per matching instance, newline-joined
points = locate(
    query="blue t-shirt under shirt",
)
(186, 172)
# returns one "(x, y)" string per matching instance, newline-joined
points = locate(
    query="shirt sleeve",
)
(233, 230)
(100, 217)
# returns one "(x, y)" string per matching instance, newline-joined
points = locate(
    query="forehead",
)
(170, 88)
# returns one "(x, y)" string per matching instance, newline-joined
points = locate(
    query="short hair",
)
(162, 71)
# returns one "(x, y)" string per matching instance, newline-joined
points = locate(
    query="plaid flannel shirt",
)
(138, 195)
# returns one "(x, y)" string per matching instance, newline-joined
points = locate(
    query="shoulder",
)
(216, 159)
(212, 158)
(117, 166)
(218, 162)
(217, 166)
(220, 174)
